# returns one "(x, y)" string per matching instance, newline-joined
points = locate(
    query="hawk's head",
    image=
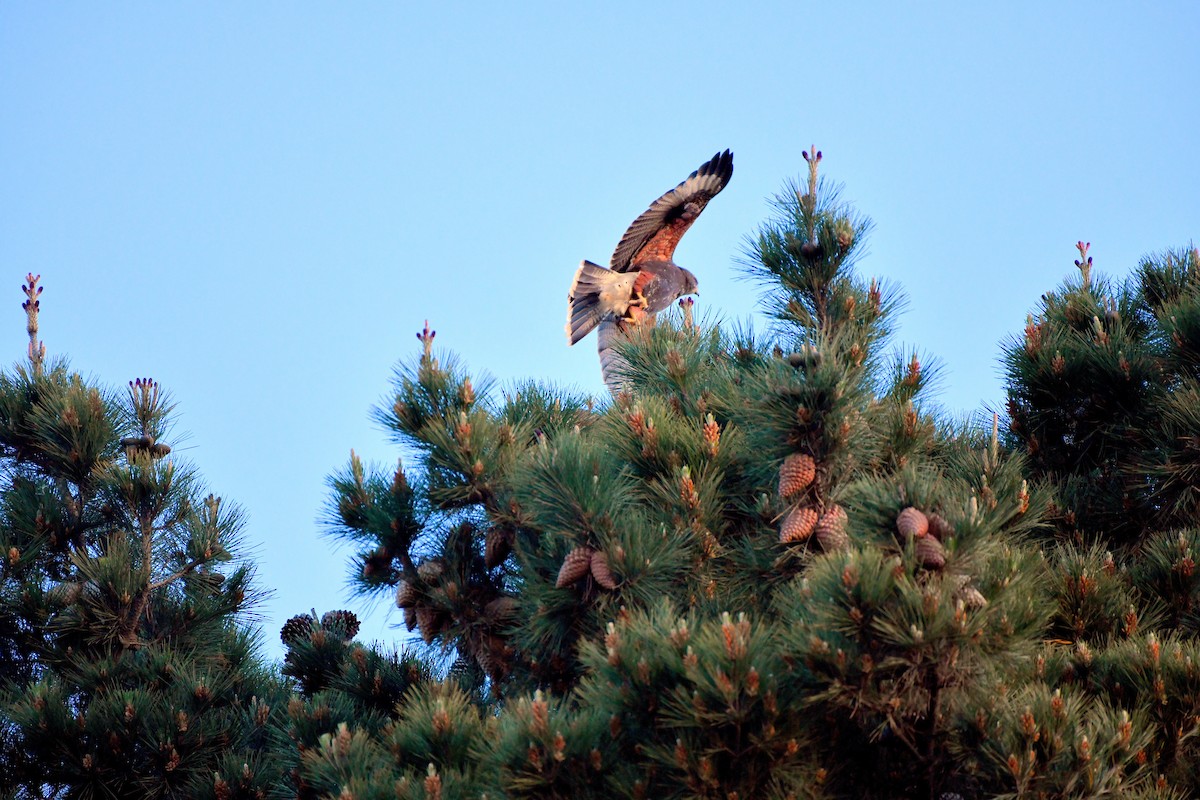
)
(689, 283)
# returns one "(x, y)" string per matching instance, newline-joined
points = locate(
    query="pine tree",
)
(765, 571)
(127, 669)
(1102, 398)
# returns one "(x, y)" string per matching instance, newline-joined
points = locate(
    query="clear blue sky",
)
(258, 204)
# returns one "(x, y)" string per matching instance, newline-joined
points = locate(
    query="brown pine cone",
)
(406, 594)
(798, 524)
(601, 571)
(342, 623)
(66, 593)
(500, 610)
(972, 598)
(912, 523)
(807, 356)
(497, 545)
(574, 566)
(429, 622)
(930, 553)
(494, 656)
(410, 618)
(487, 661)
(431, 570)
(795, 474)
(939, 527)
(831, 529)
(297, 628)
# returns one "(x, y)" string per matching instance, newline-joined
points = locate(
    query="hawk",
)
(642, 278)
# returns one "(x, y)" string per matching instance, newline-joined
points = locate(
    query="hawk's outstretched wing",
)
(653, 235)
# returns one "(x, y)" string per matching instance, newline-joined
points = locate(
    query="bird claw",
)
(636, 311)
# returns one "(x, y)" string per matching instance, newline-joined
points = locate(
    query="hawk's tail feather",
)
(592, 295)
(614, 367)
(612, 364)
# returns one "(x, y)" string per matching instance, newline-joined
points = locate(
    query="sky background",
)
(258, 204)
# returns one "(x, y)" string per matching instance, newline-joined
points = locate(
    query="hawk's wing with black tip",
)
(653, 235)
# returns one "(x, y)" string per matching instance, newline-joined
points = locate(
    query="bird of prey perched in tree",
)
(642, 279)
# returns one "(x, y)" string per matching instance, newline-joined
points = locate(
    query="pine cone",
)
(488, 661)
(429, 623)
(795, 474)
(410, 618)
(497, 545)
(807, 356)
(939, 527)
(798, 524)
(831, 529)
(406, 594)
(574, 566)
(298, 628)
(972, 598)
(501, 610)
(66, 593)
(493, 656)
(431, 570)
(930, 553)
(912, 523)
(601, 571)
(341, 623)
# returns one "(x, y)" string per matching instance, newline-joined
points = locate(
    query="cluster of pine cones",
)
(928, 531)
(144, 444)
(300, 628)
(428, 607)
(827, 524)
(582, 560)
(418, 612)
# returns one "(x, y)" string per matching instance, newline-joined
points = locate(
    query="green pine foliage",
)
(1101, 394)
(128, 669)
(1080, 392)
